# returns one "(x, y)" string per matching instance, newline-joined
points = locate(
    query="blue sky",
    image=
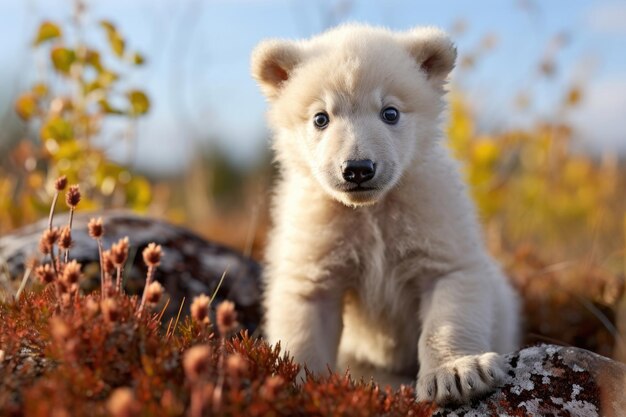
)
(198, 61)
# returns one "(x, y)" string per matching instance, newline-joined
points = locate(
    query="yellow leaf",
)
(107, 108)
(91, 87)
(574, 95)
(93, 58)
(138, 59)
(107, 25)
(116, 41)
(56, 128)
(139, 102)
(106, 78)
(40, 89)
(26, 106)
(485, 151)
(117, 44)
(62, 59)
(47, 31)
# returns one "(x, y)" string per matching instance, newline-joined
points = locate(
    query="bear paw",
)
(461, 379)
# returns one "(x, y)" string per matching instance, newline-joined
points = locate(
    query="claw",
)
(457, 381)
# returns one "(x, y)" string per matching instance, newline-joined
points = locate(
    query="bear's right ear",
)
(272, 64)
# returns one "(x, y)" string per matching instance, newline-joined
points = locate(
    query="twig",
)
(118, 280)
(180, 309)
(102, 278)
(160, 316)
(219, 386)
(67, 251)
(52, 207)
(219, 284)
(23, 283)
(169, 325)
(53, 261)
(145, 293)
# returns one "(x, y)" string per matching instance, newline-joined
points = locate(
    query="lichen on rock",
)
(551, 380)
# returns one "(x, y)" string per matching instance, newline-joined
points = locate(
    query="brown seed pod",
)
(119, 252)
(196, 362)
(95, 228)
(45, 273)
(226, 317)
(71, 273)
(48, 238)
(60, 183)
(107, 262)
(200, 308)
(152, 255)
(154, 292)
(65, 238)
(72, 197)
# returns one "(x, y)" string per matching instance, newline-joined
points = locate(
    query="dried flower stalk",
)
(96, 231)
(119, 255)
(152, 257)
(72, 198)
(59, 185)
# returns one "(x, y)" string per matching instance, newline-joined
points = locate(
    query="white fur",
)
(391, 277)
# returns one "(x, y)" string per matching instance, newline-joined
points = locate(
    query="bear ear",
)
(272, 64)
(432, 50)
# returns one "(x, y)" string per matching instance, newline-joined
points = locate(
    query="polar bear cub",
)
(375, 255)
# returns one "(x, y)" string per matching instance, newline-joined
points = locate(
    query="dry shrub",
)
(71, 360)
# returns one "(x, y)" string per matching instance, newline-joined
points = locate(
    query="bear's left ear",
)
(272, 64)
(432, 50)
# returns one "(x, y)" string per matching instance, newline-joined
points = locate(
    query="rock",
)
(550, 380)
(191, 265)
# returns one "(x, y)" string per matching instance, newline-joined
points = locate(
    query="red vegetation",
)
(71, 358)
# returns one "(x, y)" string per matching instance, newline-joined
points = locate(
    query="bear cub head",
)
(350, 107)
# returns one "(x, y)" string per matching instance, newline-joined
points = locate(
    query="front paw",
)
(462, 379)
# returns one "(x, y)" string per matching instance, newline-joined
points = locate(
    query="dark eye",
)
(390, 115)
(321, 120)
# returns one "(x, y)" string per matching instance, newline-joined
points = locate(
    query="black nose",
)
(358, 172)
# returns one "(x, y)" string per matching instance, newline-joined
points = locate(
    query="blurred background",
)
(149, 105)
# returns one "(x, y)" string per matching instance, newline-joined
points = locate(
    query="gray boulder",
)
(190, 266)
